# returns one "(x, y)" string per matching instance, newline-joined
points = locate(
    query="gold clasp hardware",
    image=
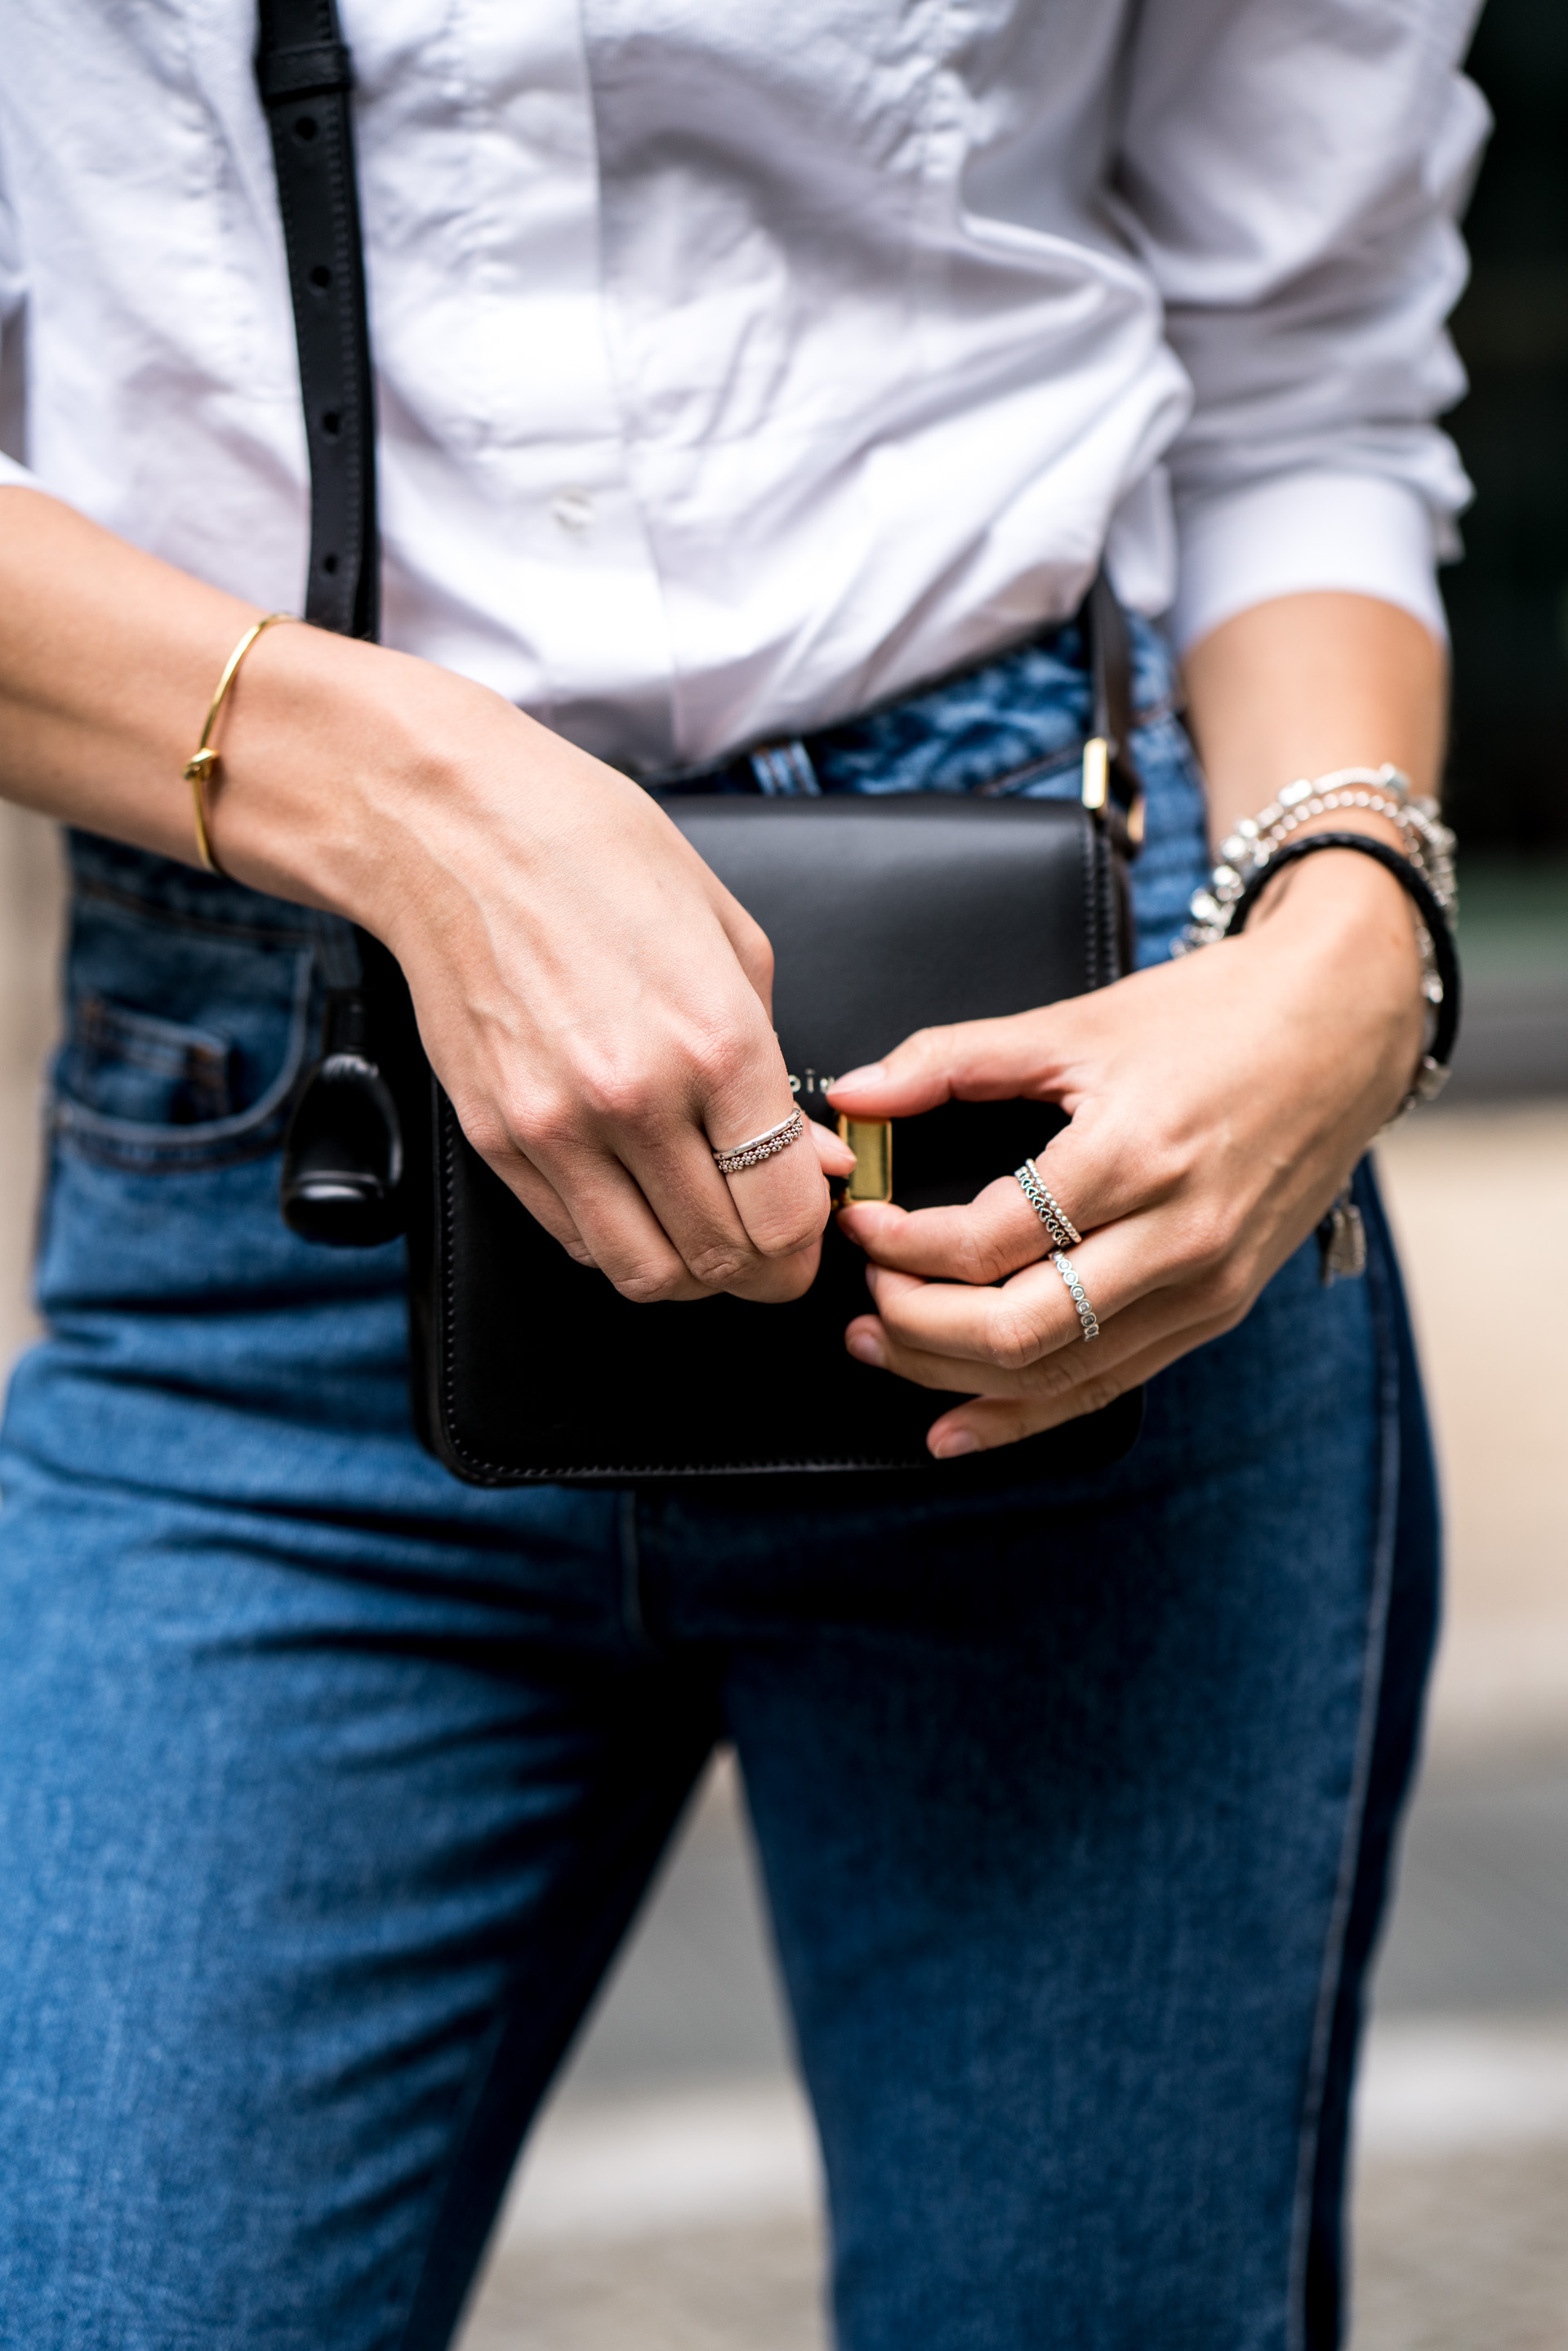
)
(870, 1140)
(1097, 789)
(1096, 772)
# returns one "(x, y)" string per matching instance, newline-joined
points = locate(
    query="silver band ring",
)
(1063, 1232)
(761, 1147)
(1086, 1314)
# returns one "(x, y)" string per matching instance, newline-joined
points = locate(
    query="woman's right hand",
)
(595, 1003)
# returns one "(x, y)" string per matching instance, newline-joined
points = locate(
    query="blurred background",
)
(670, 2197)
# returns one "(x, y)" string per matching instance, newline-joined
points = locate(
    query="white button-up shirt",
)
(738, 366)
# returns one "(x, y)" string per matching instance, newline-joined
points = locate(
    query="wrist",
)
(1344, 944)
(1345, 876)
(331, 754)
(1339, 899)
(1404, 840)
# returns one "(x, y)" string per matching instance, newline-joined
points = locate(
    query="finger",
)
(544, 1204)
(609, 1224)
(1154, 1322)
(995, 1234)
(1024, 1319)
(753, 948)
(783, 1202)
(870, 1341)
(1025, 1337)
(694, 1207)
(622, 1235)
(1097, 1172)
(834, 1157)
(728, 1231)
(985, 1423)
(972, 1060)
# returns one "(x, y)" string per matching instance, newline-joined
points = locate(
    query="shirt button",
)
(573, 509)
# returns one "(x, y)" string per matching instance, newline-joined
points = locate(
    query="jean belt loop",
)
(784, 771)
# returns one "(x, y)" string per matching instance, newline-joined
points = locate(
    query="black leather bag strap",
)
(304, 73)
(341, 1179)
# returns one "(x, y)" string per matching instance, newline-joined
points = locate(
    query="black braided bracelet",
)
(1433, 1073)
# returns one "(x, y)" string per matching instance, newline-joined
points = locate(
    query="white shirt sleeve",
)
(1291, 172)
(13, 296)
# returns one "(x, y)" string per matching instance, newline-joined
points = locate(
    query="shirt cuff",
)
(17, 475)
(1359, 532)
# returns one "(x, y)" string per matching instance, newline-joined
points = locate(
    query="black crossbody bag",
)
(886, 915)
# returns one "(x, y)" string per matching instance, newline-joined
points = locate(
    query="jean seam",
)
(1376, 1626)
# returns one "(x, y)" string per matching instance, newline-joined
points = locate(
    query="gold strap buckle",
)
(1096, 790)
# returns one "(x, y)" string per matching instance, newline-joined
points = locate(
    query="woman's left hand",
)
(1217, 1105)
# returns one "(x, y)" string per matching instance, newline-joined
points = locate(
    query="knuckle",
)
(613, 1095)
(788, 1282)
(1205, 1243)
(489, 1132)
(757, 960)
(1163, 1166)
(492, 1122)
(718, 1266)
(984, 1257)
(789, 1239)
(713, 1059)
(924, 1048)
(1014, 1343)
(545, 1123)
(1230, 1295)
(1052, 1377)
(1228, 1289)
(1099, 1390)
(649, 1285)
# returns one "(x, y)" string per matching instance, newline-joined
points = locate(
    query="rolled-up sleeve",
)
(1292, 173)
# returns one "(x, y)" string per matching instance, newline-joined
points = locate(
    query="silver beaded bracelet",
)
(1382, 791)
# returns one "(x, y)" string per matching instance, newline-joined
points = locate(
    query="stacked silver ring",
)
(1086, 1314)
(1063, 1232)
(761, 1147)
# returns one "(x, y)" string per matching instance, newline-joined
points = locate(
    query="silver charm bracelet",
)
(1427, 843)
(1258, 842)
(1342, 1240)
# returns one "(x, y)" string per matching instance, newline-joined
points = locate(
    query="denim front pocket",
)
(184, 1041)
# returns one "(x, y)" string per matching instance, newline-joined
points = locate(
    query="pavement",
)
(670, 2195)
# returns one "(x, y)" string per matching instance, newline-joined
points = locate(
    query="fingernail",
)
(954, 1441)
(866, 1348)
(875, 1073)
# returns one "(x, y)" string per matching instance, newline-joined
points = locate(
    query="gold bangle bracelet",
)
(199, 768)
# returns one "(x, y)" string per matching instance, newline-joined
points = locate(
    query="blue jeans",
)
(328, 1786)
